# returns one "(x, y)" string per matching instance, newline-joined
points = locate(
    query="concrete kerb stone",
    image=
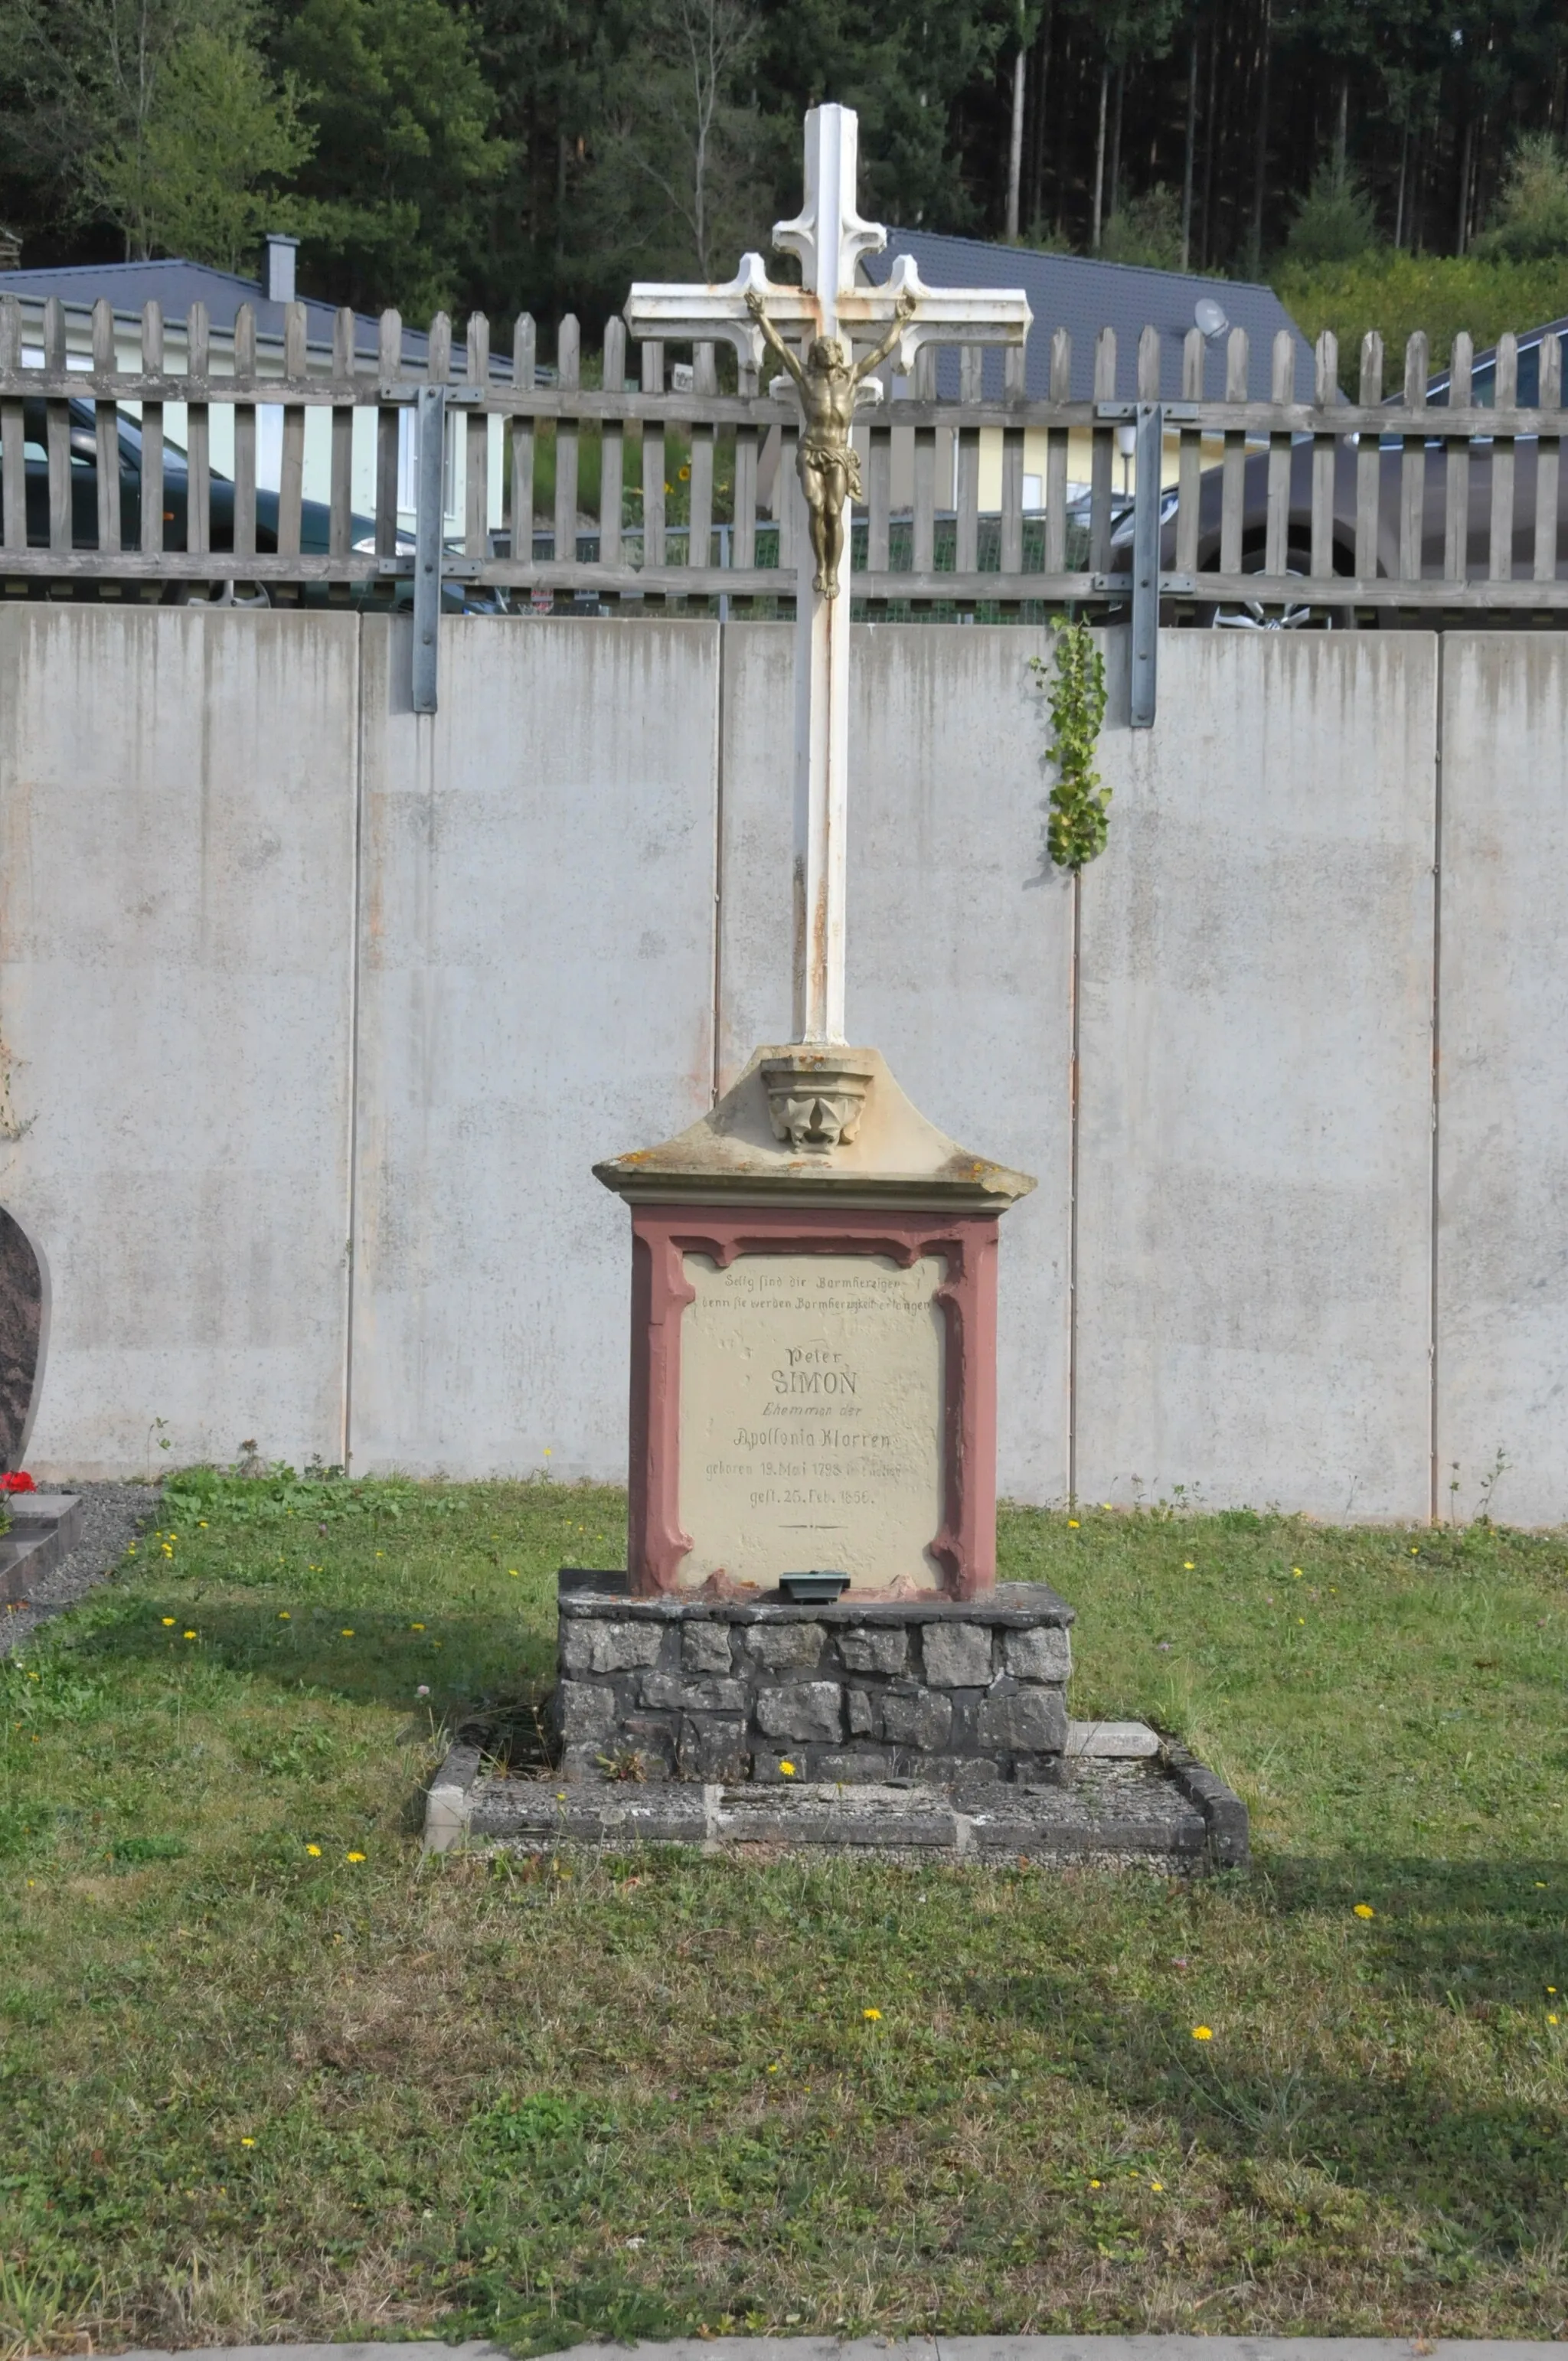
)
(926, 2348)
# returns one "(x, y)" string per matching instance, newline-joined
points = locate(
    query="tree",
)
(157, 116)
(198, 174)
(673, 182)
(1532, 214)
(1335, 221)
(403, 150)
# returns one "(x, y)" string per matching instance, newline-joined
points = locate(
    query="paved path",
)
(938, 2348)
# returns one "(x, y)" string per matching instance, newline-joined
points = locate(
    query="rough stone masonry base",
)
(698, 1688)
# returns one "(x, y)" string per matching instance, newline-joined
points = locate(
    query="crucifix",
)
(826, 314)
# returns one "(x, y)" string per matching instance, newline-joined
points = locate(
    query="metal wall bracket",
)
(1175, 414)
(1148, 451)
(429, 518)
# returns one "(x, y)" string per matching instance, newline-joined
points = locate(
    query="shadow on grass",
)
(355, 1655)
(1484, 1940)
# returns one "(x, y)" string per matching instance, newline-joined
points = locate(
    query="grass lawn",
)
(262, 2074)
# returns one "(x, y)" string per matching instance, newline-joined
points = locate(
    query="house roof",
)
(1083, 295)
(176, 285)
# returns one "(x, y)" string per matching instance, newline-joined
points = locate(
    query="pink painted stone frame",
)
(965, 1545)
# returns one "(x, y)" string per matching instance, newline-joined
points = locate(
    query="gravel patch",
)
(111, 1515)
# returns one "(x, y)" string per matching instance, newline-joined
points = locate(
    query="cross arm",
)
(942, 315)
(719, 314)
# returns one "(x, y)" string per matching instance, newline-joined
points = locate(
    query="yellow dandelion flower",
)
(773, 2069)
(1187, 1566)
(248, 2143)
(1365, 1910)
(1550, 2018)
(187, 1635)
(1158, 2184)
(1072, 1525)
(416, 1627)
(284, 1616)
(514, 1574)
(786, 1770)
(353, 1856)
(872, 2016)
(169, 1623)
(1202, 2033)
(1096, 2184)
(346, 1633)
(314, 1851)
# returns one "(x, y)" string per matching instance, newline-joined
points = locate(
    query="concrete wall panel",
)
(177, 823)
(537, 973)
(1502, 1347)
(959, 940)
(1255, 1151)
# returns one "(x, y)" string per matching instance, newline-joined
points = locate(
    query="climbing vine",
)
(1074, 684)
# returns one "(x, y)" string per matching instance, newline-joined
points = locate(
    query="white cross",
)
(828, 237)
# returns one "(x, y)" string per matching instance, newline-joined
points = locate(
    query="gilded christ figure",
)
(827, 461)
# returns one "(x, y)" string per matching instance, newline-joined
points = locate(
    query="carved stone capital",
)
(816, 1098)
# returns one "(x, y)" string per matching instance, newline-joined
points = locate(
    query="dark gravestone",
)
(24, 1335)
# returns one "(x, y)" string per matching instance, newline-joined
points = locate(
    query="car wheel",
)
(217, 593)
(1254, 615)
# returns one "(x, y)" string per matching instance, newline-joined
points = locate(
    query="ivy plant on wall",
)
(1073, 681)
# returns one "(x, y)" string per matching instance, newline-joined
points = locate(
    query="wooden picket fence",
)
(1420, 507)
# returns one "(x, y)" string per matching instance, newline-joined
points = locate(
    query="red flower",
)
(19, 1482)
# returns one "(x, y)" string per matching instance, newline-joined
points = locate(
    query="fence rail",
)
(1277, 510)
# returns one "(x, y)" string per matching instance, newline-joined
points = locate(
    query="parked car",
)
(1253, 616)
(314, 516)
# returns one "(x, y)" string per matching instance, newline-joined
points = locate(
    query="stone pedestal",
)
(813, 1341)
(932, 1689)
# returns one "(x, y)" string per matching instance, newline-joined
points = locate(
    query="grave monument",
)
(812, 1587)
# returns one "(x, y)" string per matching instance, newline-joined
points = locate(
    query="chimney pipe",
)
(278, 268)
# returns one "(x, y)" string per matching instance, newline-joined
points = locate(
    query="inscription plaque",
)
(812, 1417)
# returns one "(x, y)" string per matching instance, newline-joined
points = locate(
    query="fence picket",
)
(1456, 488)
(476, 442)
(923, 521)
(568, 373)
(107, 428)
(1014, 389)
(13, 456)
(58, 431)
(198, 439)
(652, 461)
(1189, 456)
(519, 514)
(1367, 470)
(1057, 455)
(340, 522)
(699, 536)
(1413, 462)
(292, 470)
(612, 445)
(1499, 564)
(1277, 525)
(744, 546)
(1233, 465)
(245, 436)
(150, 534)
(1325, 392)
(388, 432)
(966, 469)
(1103, 453)
(1548, 461)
